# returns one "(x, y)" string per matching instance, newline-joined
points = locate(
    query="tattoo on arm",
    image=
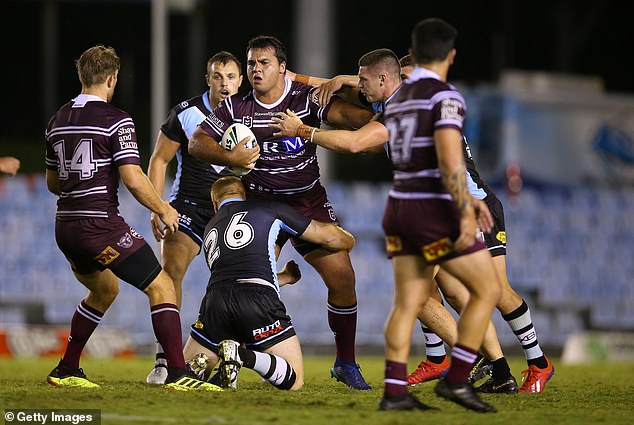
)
(456, 184)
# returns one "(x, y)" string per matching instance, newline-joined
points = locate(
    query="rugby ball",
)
(234, 135)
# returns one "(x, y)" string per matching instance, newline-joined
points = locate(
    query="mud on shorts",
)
(423, 227)
(96, 244)
(192, 219)
(249, 313)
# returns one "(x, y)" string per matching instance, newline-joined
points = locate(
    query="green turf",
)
(591, 394)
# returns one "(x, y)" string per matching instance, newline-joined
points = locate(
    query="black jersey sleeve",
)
(292, 222)
(172, 127)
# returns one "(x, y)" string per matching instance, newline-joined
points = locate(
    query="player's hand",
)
(286, 123)
(242, 156)
(9, 165)
(468, 229)
(157, 226)
(290, 274)
(169, 217)
(484, 219)
(326, 90)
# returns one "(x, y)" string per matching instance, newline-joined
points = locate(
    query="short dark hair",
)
(432, 40)
(406, 61)
(384, 58)
(96, 64)
(224, 58)
(266, 41)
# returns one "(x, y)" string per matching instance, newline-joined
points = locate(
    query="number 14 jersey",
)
(86, 140)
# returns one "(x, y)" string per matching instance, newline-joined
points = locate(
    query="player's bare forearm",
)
(346, 115)
(205, 148)
(141, 188)
(456, 184)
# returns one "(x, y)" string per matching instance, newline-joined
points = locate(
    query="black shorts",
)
(96, 244)
(249, 313)
(192, 219)
(496, 239)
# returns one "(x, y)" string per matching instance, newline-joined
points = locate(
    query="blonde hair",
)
(96, 64)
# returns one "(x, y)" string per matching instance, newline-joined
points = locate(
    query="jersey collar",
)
(226, 201)
(206, 101)
(83, 98)
(419, 73)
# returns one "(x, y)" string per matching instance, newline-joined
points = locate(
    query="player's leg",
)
(438, 326)
(477, 273)
(142, 270)
(518, 316)
(177, 252)
(502, 381)
(336, 271)
(412, 281)
(103, 287)
(200, 359)
(281, 365)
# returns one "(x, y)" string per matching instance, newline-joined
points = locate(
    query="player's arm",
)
(165, 150)
(306, 79)
(369, 138)
(205, 148)
(141, 188)
(52, 181)
(346, 115)
(454, 177)
(329, 236)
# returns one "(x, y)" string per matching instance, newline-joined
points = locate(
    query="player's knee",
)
(161, 287)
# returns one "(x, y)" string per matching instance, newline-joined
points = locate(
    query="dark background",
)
(576, 37)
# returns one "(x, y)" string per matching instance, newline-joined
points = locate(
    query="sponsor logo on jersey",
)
(214, 120)
(107, 256)
(199, 324)
(393, 244)
(438, 249)
(450, 109)
(125, 241)
(125, 137)
(248, 121)
(267, 331)
(501, 236)
(184, 219)
(288, 145)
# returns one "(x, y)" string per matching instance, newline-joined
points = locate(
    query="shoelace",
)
(529, 376)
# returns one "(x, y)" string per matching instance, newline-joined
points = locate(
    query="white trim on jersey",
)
(295, 190)
(83, 213)
(287, 88)
(282, 170)
(79, 129)
(190, 118)
(405, 175)
(85, 192)
(422, 142)
(419, 195)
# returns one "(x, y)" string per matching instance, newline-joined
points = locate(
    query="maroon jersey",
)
(86, 140)
(423, 105)
(287, 166)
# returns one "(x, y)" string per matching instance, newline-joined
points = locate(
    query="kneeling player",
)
(242, 303)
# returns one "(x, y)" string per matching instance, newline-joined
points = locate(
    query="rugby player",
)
(90, 144)
(242, 303)
(287, 171)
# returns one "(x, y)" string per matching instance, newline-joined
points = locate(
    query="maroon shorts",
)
(313, 204)
(423, 227)
(93, 244)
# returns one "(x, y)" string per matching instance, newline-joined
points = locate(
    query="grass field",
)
(590, 394)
